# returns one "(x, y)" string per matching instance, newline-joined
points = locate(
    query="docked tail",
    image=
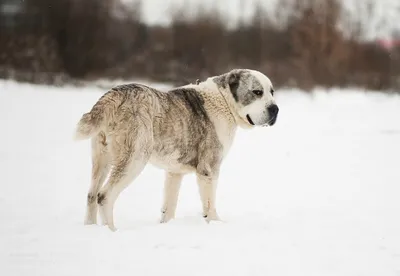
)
(87, 127)
(92, 122)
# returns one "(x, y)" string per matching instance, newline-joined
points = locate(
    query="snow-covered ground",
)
(317, 194)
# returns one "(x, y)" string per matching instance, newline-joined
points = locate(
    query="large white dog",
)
(187, 129)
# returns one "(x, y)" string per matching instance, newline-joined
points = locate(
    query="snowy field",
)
(317, 194)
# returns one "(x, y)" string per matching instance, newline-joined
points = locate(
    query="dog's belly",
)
(170, 163)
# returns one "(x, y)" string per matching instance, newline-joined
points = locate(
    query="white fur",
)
(257, 110)
(224, 112)
(225, 125)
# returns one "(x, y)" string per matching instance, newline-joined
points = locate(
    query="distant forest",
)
(92, 39)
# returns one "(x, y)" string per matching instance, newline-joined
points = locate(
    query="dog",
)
(187, 129)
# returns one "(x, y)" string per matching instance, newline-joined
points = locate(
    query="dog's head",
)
(253, 95)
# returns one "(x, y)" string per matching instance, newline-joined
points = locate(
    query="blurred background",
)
(298, 43)
(316, 194)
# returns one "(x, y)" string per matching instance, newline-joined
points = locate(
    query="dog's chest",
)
(225, 133)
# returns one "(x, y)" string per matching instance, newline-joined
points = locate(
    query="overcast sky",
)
(385, 17)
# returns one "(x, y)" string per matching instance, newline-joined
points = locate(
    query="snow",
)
(317, 194)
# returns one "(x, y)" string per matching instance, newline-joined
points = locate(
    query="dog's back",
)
(181, 129)
(116, 107)
(176, 121)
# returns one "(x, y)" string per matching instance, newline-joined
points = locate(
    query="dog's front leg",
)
(171, 192)
(207, 188)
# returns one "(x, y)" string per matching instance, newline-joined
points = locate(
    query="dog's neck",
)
(226, 94)
(222, 111)
(216, 102)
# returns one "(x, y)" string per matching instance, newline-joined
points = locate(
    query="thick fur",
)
(187, 129)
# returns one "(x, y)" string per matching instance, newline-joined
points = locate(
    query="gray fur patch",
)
(220, 81)
(91, 198)
(126, 87)
(192, 100)
(101, 198)
(231, 79)
(239, 82)
(250, 97)
(183, 127)
(234, 81)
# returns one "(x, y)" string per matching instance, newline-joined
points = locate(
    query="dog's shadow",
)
(192, 220)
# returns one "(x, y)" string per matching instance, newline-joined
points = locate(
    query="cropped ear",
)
(233, 82)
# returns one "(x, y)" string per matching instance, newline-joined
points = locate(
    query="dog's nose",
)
(273, 110)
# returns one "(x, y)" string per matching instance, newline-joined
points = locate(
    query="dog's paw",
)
(166, 217)
(112, 228)
(89, 221)
(211, 216)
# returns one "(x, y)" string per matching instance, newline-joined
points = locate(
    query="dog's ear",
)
(233, 82)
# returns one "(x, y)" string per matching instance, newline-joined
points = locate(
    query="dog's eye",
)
(258, 92)
(272, 91)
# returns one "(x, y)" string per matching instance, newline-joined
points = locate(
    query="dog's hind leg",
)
(100, 169)
(130, 156)
(171, 192)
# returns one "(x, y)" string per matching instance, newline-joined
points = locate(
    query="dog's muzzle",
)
(273, 111)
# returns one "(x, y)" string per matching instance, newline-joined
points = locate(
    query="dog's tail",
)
(91, 123)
